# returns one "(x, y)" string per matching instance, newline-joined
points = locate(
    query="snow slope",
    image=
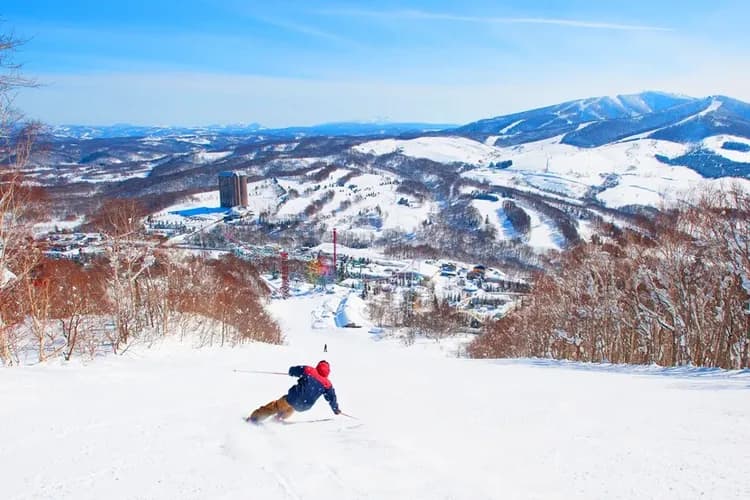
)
(166, 423)
(562, 170)
(551, 167)
(543, 235)
(439, 149)
(493, 211)
(372, 195)
(716, 142)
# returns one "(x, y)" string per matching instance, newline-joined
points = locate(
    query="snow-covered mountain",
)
(603, 120)
(566, 117)
(641, 149)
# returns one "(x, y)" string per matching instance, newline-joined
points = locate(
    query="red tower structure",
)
(335, 269)
(284, 275)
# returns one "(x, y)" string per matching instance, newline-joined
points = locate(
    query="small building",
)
(448, 269)
(356, 284)
(477, 272)
(407, 278)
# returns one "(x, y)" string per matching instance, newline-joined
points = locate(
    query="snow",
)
(193, 139)
(205, 206)
(95, 174)
(562, 170)
(513, 125)
(635, 192)
(352, 311)
(586, 230)
(204, 156)
(282, 148)
(196, 212)
(356, 253)
(337, 174)
(55, 225)
(715, 143)
(553, 184)
(367, 193)
(166, 423)
(493, 210)
(296, 206)
(543, 234)
(438, 149)
(715, 105)
(127, 165)
(6, 276)
(262, 196)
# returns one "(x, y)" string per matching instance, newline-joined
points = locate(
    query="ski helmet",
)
(323, 368)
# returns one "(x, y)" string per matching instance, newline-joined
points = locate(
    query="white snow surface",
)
(204, 156)
(368, 193)
(204, 207)
(563, 170)
(556, 169)
(166, 422)
(439, 149)
(6, 276)
(493, 210)
(543, 235)
(715, 143)
(54, 225)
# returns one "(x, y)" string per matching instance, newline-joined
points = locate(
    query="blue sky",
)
(194, 62)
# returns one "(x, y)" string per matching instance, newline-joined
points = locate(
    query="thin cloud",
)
(304, 30)
(194, 97)
(439, 16)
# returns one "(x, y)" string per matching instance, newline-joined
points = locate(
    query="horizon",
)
(196, 63)
(262, 126)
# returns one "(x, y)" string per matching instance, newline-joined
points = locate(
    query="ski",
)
(293, 422)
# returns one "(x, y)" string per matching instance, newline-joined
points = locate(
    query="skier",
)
(312, 383)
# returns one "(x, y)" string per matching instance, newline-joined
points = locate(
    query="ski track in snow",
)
(167, 423)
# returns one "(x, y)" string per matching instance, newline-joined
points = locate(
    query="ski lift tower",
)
(335, 269)
(284, 275)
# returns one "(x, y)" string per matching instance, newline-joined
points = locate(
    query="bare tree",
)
(16, 139)
(128, 258)
(679, 296)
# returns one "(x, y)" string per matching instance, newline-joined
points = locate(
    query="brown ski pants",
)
(280, 408)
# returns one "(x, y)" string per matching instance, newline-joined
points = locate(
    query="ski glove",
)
(337, 411)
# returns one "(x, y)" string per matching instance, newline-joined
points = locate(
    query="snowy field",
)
(552, 168)
(439, 149)
(543, 235)
(166, 423)
(371, 194)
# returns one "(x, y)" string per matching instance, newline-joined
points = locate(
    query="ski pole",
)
(260, 371)
(350, 416)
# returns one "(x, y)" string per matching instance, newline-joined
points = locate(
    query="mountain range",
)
(595, 122)
(584, 123)
(542, 179)
(336, 128)
(602, 120)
